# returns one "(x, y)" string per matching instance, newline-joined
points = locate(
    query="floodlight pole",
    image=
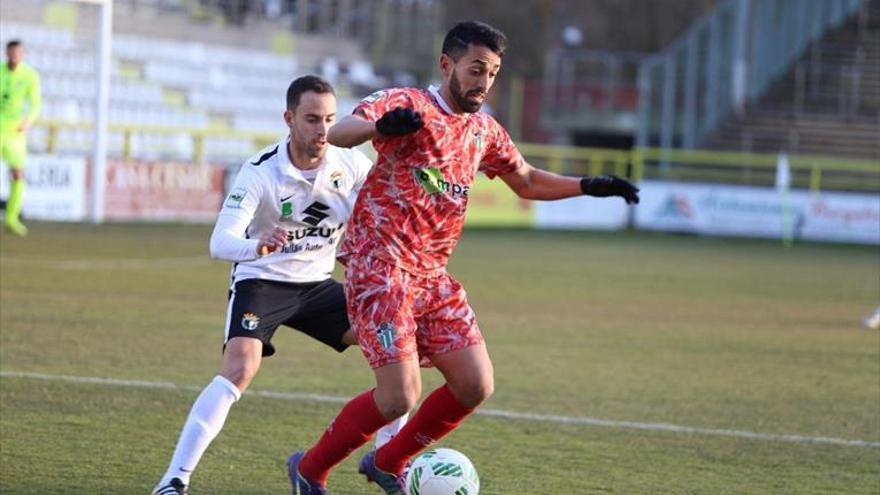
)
(102, 99)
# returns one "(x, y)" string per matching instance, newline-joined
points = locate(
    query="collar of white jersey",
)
(291, 169)
(435, 92)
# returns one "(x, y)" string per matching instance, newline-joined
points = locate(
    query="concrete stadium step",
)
(827, 103)
(868, 139)
(812, 125)
(865, 144)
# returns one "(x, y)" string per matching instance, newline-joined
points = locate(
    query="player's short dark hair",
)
(13, 44)
(303, 84)
(466, 33)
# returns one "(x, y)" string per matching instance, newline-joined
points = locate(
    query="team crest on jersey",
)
(387, 335)
(478, 140)
(250, 322)
(336, 179)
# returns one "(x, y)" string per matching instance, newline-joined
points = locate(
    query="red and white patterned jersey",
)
(411, 209)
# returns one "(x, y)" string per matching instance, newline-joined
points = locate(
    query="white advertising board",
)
(55, 188)
(582, 213)
(759, 212)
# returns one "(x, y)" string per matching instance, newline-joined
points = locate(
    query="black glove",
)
(610, 185)
(399, 121)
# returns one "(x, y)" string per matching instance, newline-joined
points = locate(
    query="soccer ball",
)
(442, 472)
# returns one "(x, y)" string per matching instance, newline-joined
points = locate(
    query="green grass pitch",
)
(733, 335)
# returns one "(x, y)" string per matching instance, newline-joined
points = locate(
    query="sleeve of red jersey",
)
(374, 106)
(502, 156)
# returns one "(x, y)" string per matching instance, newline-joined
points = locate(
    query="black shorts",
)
(257, 307)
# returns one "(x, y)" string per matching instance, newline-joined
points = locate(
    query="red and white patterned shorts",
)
(397, 315)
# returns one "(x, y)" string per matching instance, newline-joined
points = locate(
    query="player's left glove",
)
(399, 122)
(610, 185)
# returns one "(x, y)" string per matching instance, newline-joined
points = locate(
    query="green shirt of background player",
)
(19, 85)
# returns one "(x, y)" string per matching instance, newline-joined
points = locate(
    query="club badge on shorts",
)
(250, 322)
(386, 335)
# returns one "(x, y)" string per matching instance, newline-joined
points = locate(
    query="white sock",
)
(205, 421)
(388, 431)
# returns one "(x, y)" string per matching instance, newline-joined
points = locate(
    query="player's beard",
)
(460, 96)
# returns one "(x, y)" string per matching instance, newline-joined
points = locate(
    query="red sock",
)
(356, 423)
(439, 414)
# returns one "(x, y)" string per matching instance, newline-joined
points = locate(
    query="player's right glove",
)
(399, 122)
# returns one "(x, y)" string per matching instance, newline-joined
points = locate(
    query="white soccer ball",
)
(442, 472)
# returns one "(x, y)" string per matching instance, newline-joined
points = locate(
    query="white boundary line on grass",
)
(495, 413)
(113, 264)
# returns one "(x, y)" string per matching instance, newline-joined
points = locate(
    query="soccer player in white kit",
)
(280, 226)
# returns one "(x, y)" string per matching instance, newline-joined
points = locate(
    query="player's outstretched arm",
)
(351, 131)
(356, 129)
(529, 182)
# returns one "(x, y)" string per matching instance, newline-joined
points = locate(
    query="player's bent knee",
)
(240, 374)
(398, 388)
(241, 361)
(394, 409)
(472, 390)
(473, 393)
(393, 404)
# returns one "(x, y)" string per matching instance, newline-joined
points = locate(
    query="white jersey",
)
(270, 192)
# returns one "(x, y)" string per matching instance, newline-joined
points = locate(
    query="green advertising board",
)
(492, 204)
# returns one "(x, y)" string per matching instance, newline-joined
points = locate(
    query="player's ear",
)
(288, 118)
(446, 65)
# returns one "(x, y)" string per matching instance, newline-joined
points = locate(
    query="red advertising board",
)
(174, 191)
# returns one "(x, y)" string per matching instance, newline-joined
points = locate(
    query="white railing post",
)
(740, 63)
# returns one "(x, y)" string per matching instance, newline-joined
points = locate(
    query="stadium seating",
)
(828, 103)
(158, 82)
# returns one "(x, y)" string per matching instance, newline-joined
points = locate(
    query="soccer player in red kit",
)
(403, 305)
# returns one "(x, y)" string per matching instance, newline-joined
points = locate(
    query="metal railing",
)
(198, 136)
(808, 172)
(725, 61)
(590, 89)
(814, 173)
(759, 169)
(849, 90)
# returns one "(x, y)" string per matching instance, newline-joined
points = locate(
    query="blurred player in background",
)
(403, 304)
(872, 321)
(280, 225)
(19, 83)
